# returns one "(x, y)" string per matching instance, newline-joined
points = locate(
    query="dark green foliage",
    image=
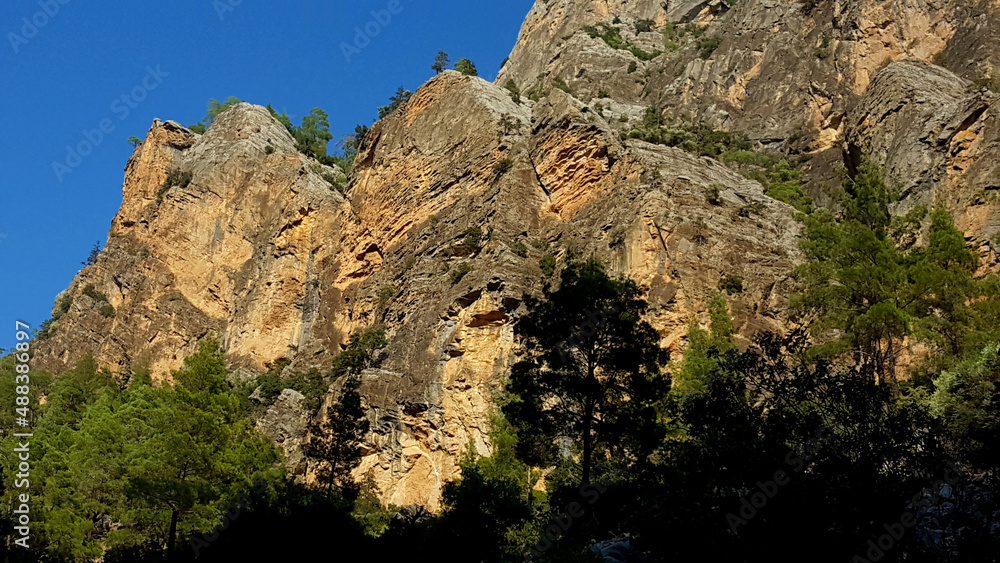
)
(312, 383)
(471, 242)
(134, 141)
(519, 249)
(508, 124)
(704, 347)
(823, 51)
(612, 36)
(592, 372)
(175, 178)
(632, 66)
(990, 82)
(967, 399)
(335, 183)
(731, 284)
(63, 305)
(314, 134)
(95, 251)
(708, 44)
(214, 110)
(694, 29)
(480, 507)
(91, 292)
(159, 462)
(643, 55)
(757, 413)
(459, 272)
(107, 311)
(537, 92)
(283, 119)
(780, 180)
(466, 67)
(603, 94)
(336, 441)
(872, 286)
(712, 194)
(268, 149)
(785, 184)
(692, 138)
(515, 92)
(547, 264)
(385, 295)
(350, 145)
(401, 96)
(502, 167)
(559, 83)
(672, 33)
(644, 26)
(440, 62)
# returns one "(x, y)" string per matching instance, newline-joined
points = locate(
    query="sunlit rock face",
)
(257, 249)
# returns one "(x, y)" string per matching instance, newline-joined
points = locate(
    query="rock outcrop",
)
(938, 138)
(257, 248)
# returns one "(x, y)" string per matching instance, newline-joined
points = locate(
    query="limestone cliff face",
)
(259, 250)
(939, 139)
(427, 174)
(785, 73)
(237, 251)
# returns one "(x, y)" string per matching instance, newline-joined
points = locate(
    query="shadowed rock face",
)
(259, 250)
(938, 138)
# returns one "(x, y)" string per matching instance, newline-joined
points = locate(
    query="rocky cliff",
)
(257, 248)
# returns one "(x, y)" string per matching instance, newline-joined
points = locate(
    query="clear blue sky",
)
(62, 74)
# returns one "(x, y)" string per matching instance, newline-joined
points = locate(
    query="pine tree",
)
(401, 97)
(592, 372)
(440, 62)
(335, 443)
(868, 285)
(466, 67)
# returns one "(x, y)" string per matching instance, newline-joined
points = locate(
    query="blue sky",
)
(66, 64)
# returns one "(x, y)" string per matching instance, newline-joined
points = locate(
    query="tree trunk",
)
(587, 446)
(588, 415)
(528, 486)
(172, 537)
